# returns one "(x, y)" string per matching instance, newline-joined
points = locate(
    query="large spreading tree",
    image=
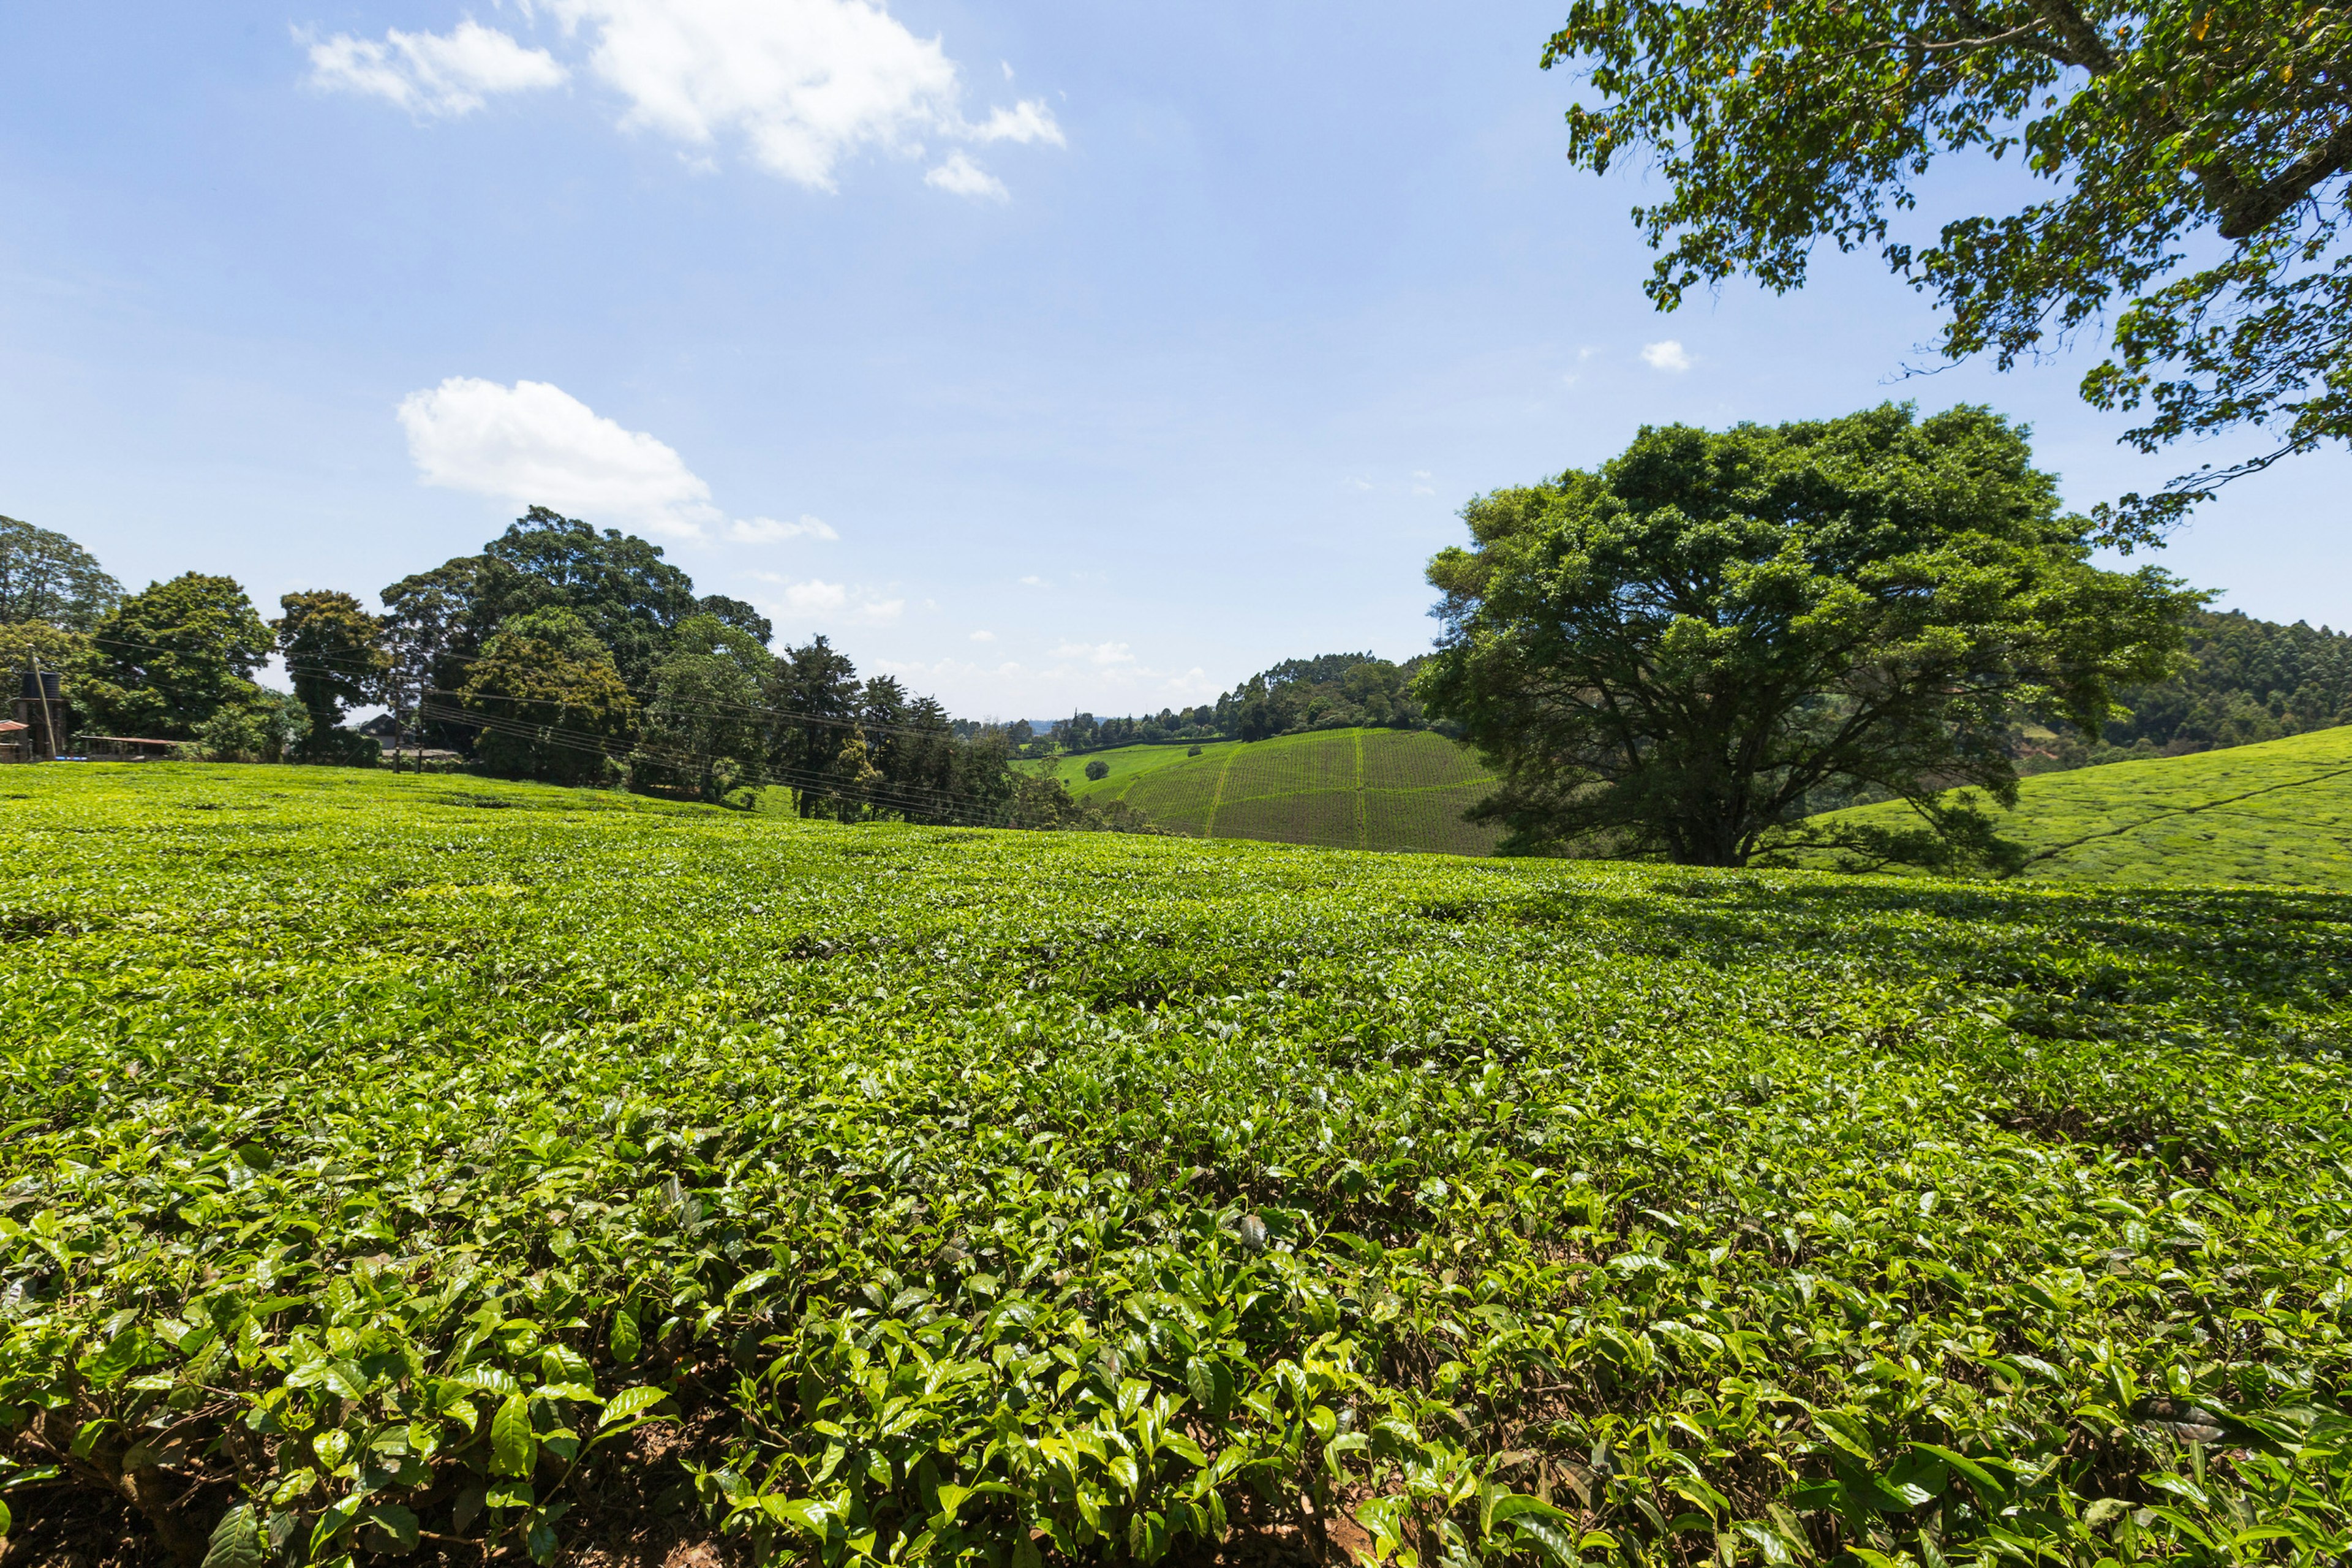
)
(167, 659)
(707, 727)
(617, 584)
(2193, 160)
(547, 702)
(1692, 649)
(46, 577)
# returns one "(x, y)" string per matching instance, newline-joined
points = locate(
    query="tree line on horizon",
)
(1698, 651)
(1330, 691)
(559, 653)
(2245, 680)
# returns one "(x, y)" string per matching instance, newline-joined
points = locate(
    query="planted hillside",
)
(492, 1172)
(1344, 789)
(2277, 812)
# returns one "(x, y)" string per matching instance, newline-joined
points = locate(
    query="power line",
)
(643, 698)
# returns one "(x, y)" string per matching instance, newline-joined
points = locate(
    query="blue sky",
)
(1073, 353)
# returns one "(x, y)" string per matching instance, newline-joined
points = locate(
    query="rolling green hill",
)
(1346, 789)
(2279, 813)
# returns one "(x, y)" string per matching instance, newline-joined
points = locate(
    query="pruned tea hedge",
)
(383, 1174)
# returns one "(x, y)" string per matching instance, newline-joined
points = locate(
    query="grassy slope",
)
(2278, 813)
(1348, 789)
(902, 1158)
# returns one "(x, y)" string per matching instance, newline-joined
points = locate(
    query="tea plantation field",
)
(1344, 789)
(498, 1174)
(2280, 812)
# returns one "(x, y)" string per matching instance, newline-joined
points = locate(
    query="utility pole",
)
(48, 713)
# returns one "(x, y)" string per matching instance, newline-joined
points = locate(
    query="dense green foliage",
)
(335, 659)
(563, 654)
(46, 577)
(368, 1150)
(2246, 680)
(2212, 134)
(1687, 651)
(2279, 812)
(547, 702)
(170, 658)
(1344, 789)
(1331, 691)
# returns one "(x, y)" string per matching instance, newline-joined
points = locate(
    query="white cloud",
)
(1105, 653)
(1011, 686)
(432, 73)
(536, 443)
(961, 175)
(1026, 122)
(805, 83)
(768, 530)
(818, 602)
(816, 595)
(1035, 583)
(983, 636)
(1666, 356)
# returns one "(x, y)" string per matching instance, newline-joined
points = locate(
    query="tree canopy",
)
(706, 726)
(618, 584)
(46, 576)
(334, 659)
(1717, 633)
(2195, 155)
(547, 702)
(169, 657)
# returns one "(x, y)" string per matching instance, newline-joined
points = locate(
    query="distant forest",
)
(2248, 680)
(1332, 691)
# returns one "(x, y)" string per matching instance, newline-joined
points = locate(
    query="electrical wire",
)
(643, 698)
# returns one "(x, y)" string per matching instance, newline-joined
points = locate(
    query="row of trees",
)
(559, 652)
(1331, 691)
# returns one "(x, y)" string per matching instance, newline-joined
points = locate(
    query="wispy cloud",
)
(431, 73)
(799, 86)
(817, 603)
(961, 175)
(1101, 653)
(770, 530)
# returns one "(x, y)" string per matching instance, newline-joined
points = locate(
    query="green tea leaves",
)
(513, 1446)
(235, 1541)
(1070, 1200)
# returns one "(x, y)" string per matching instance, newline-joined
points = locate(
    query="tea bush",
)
(399, 1164)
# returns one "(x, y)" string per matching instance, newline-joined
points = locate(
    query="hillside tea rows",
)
(397, 1163)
